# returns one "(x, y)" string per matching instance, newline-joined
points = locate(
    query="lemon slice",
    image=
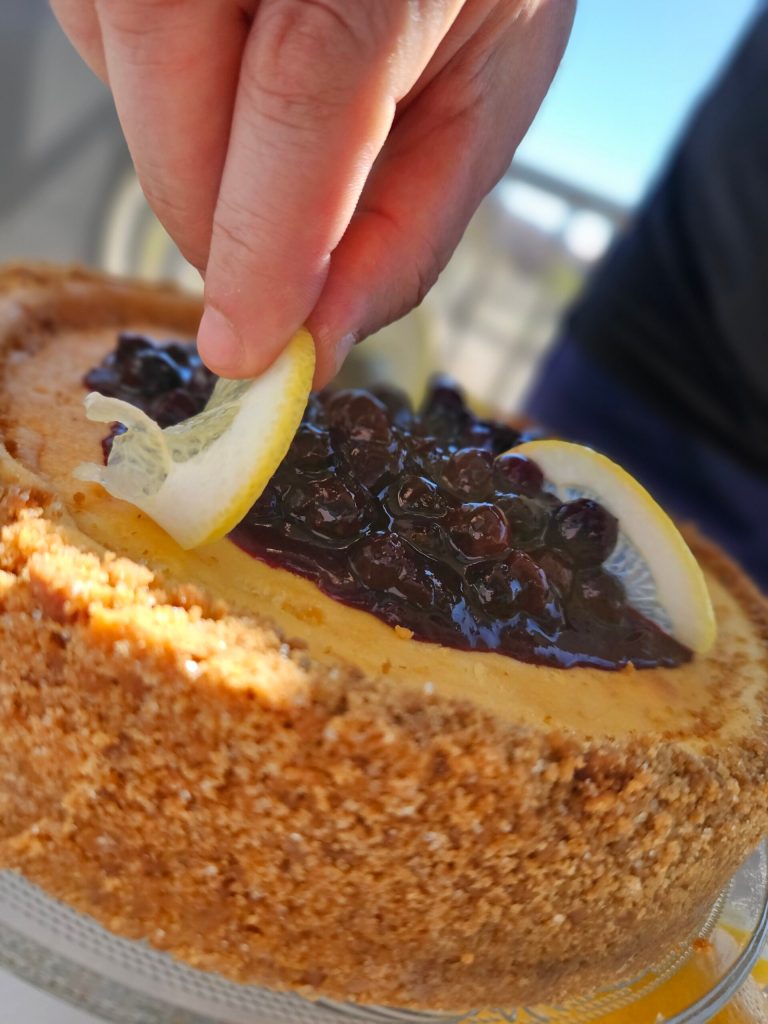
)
(198, 479)
(662, 578)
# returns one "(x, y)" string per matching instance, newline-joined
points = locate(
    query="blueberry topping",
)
(515, 474)
(585, 531)
(312, 447)
(358, 415)
(130, 345)
(468, 473)
(444, 412)
(527, 520)
(417, 496)
(397, 402)
(384, 563)
(425, 519)
(513, 584)
(168, 382)
(479, 530)
(328, 507)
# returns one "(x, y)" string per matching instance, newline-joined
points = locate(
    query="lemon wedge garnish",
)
(199, 478)
(661, 577)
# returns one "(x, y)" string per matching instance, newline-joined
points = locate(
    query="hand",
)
(317, 160)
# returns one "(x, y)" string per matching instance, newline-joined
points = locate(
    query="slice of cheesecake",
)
(205, 750)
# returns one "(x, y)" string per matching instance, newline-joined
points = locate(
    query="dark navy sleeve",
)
(679, 306)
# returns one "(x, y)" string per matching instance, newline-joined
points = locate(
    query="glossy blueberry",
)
(426, 456)
(443, 412)
(585, 531)
(311, 448)
(527, 520)
(373, 464)
(153, 372)
(327, 506)
(130, 345)
(513, 584)
(416, 495)
(377, 561)
(468, 473)
(516, 474)
(384, 563)
(359, 416)
(425, 536)
(479, 530)
(106, 443)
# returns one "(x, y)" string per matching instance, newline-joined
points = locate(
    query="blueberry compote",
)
(426, 519)
(169, 382)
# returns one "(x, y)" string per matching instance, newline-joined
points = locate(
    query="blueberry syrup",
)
(427, 520)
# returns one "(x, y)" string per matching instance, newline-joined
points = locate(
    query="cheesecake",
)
(308, 777)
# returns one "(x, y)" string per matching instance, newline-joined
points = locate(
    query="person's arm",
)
(317, 160)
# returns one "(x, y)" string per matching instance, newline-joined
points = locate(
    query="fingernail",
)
(343, 347)
(220, 344)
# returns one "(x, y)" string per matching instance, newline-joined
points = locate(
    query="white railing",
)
(522, 261)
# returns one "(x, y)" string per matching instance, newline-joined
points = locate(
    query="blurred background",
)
(629, 77)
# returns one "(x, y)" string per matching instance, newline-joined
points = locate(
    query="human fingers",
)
(451, 144)
(173, 68)
(318, 89)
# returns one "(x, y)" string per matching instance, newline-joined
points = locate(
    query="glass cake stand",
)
(126, 982)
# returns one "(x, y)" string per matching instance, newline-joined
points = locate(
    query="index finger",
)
(316, 98)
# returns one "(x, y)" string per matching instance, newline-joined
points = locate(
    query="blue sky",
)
(632, 70)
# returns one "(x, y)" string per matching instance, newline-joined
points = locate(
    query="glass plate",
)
(126, 982)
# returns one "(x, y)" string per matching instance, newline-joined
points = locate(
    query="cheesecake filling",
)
(428, 520)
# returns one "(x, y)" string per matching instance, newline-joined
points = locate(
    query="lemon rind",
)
(173, 503)
(292, 409)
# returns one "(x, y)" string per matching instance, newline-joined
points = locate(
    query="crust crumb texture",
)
(190, 776)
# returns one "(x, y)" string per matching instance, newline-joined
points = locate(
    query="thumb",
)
(316, 99)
